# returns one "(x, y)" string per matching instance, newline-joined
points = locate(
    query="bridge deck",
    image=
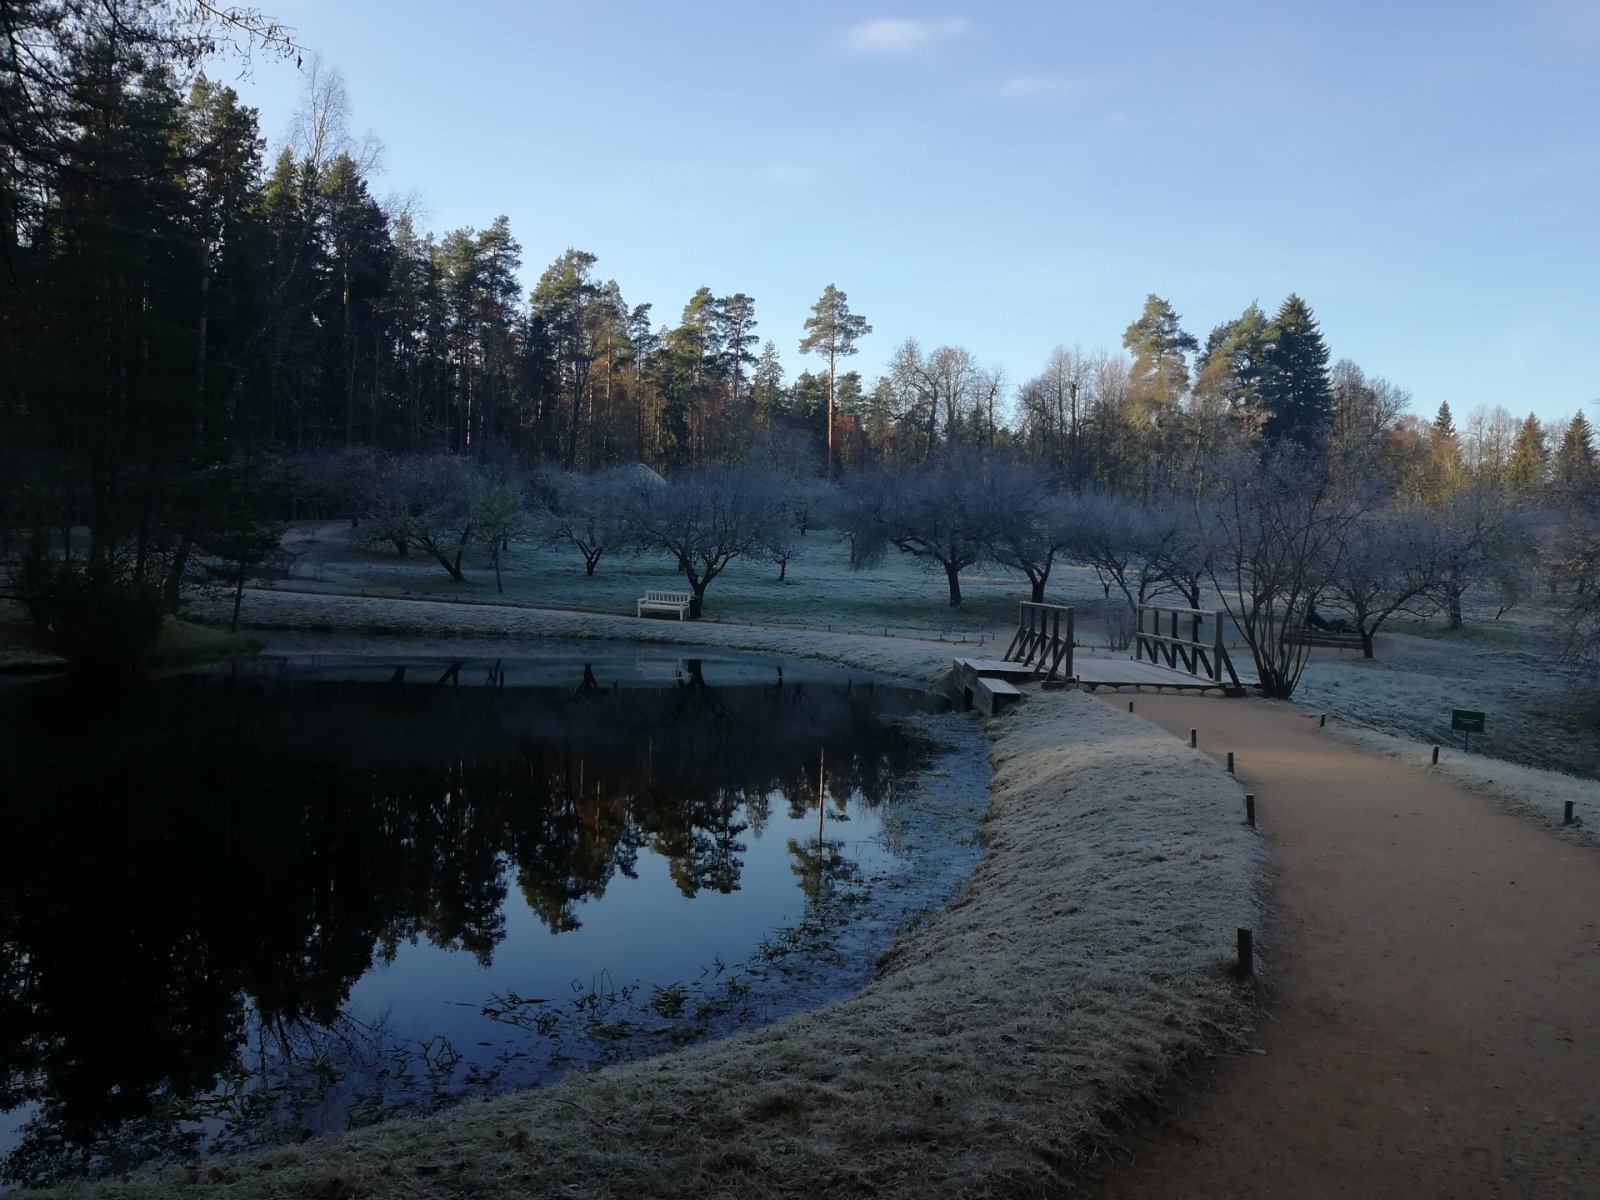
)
(1095, 673)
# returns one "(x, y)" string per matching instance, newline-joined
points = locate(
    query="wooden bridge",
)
(1043, 649)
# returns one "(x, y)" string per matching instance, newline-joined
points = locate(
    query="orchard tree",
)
(832, 331)
(943, 513)
(429, 503)
(1386, 562)
(1031, 524)
(707, 519)
(591, 511)
(497, 517)
(1273, 526)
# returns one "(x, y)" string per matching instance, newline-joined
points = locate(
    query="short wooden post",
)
(1566, 815)
(1323, 724)
(1130, 705)
(1194, 739)
(1247, 953)
(1250, 809)
(1230, 762)
(1436, 756)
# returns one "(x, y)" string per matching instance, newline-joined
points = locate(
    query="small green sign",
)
(1466, 721)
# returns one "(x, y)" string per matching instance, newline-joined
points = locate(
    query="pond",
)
(256, 903)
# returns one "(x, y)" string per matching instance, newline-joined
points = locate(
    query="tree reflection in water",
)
(195, 873)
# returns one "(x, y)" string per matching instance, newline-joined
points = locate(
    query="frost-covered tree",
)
(427, 502)
(943, 513)
(1031, 523)
(1273, 527)
(591, 511)
(1387, 561)
(707, 519)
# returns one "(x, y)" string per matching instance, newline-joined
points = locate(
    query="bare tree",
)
(1106, 533)
(497, 517)
(1031, 523)
(707, 519)
(1386, 562)
(428, 502)
(591, 511)
(1487, 541)
(1273, 527)
(943, 513)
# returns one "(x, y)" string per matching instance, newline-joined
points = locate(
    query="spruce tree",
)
(1294, 381)
(1576, 470)
(1444, 422)
(1525, 471)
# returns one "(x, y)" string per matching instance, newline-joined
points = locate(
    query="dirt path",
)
(1435, 1023)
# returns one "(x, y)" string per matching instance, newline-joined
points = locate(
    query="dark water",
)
(257, 903)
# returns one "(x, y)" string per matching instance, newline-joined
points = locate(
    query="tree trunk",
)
(498, 587)
(238, 600)
(1036, 587)
(953, 574)
(1366, 640)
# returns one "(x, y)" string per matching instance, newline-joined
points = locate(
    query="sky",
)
(1015, 176)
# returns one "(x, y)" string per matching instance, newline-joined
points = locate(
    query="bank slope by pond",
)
(1088, 955)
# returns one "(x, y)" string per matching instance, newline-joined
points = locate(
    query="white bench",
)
(677, 602)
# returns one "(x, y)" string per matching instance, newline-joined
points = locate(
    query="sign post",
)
(1468, 722)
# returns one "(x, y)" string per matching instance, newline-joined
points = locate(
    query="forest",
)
(203, 338)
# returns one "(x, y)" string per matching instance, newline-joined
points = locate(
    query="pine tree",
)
(1159, 347)
(1444, 422)
(832, 333)
(1229, 374)
(1295, 391)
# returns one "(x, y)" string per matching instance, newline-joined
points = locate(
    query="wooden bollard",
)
(1323, 724)
(1130, 705)
(1230, 762)
(1250, 809)
(1566, 814)
(1247, 953)
(1194, 739)
(1436, 756)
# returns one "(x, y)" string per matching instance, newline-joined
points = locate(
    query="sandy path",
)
(1435, 1023)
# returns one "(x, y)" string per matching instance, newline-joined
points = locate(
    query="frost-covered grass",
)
(1527, 791)
(1087, 957)
(822, 590)
(1532, 715)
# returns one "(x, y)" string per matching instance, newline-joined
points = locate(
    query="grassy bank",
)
(22, 651)
(1085, 960)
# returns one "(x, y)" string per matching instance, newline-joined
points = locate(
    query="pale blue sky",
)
(1019, 175)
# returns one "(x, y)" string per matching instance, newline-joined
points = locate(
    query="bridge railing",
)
(1044, 639)
(1182, 647)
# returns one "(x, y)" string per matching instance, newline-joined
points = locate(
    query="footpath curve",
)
(1435, 973)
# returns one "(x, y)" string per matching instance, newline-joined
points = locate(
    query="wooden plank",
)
(1110, 672)
(993, 695)
(997, 667)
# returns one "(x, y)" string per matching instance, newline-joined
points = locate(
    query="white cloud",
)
(902, 37)
(788, 175)
(1040, 89)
